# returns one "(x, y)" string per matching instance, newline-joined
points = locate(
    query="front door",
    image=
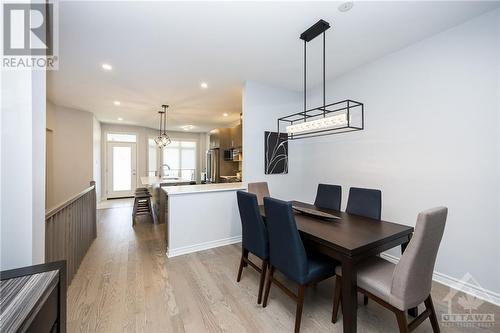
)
(121, 169)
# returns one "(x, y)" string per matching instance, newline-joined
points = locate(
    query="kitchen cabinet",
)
(235, 134)
(214, 139)
(224, 138)
(227, 140)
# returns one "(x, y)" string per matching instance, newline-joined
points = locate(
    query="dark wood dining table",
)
(349, 239)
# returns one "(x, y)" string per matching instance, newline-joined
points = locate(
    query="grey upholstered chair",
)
(260, 189)
(404, 285)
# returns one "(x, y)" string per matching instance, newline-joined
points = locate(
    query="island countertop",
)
(202, 188)
(151, 180)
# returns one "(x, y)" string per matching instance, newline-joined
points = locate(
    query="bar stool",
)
(142, 204)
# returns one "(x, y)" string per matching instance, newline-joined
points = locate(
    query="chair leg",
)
(134, 210)
(432, 317)
(151, 211)
(268, 285)
(300, 305)
(336, 298)
(365, 300)
(262, 280)
(402, 322)
(244, 254)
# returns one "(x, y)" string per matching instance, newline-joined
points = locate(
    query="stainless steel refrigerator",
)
(213, 167)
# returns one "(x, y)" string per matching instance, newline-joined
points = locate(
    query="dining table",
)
(349, 239)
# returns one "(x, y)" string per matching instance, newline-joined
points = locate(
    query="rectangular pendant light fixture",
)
(339, 120)
(339, 117)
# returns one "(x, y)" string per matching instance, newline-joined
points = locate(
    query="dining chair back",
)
(254, 237)
(260, 189)
(365, 202)
(412, 277)
(288, 255)
(254, 233)
(403, 286)
(286, 250)
(328, 196)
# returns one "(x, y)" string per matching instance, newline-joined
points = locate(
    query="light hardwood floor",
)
(127, 284)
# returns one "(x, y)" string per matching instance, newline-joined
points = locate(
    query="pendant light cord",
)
(165, 120)
(305, 78)
(324, 76)
(161, 121)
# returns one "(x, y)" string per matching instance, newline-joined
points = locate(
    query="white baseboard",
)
(202, 246)
(457, 284)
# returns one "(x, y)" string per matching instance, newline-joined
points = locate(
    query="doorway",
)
(121, 169)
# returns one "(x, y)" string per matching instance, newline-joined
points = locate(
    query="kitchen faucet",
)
(163, 168)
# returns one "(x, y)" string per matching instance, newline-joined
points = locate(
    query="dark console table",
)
(33, 298)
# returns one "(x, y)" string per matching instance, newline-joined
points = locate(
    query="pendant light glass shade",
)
(336, 121)
(163, 140)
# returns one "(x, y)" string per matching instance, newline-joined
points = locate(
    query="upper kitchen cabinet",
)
(215, 139)
(235, 134)
(226, 138)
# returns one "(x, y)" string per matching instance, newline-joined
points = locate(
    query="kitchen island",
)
(201, 217)
(154, 184)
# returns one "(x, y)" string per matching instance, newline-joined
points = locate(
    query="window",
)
(180, 156)
(121, 137)
(152, 157)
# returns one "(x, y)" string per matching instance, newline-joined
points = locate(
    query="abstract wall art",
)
(276, 153)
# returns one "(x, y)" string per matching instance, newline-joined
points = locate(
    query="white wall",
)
(498, 135)
(38, 98)
(431, 138)
(96, 155)
(72, 151)
(143, 133)
(262, 105)
(22, 215)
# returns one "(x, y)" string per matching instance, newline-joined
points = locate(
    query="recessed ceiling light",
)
(204, 85)
(346, 6)
(120, 118)
(107, 67)
(225, 114)
(187, 127)
(117, 103)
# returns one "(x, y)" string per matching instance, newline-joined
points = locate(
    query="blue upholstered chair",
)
(288, 255)
(255, 239)
(364, 202)
(328, 196)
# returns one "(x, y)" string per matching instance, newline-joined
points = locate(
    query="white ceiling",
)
(162, 51)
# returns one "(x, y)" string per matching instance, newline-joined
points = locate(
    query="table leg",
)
(349, 296)
(413, 311)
